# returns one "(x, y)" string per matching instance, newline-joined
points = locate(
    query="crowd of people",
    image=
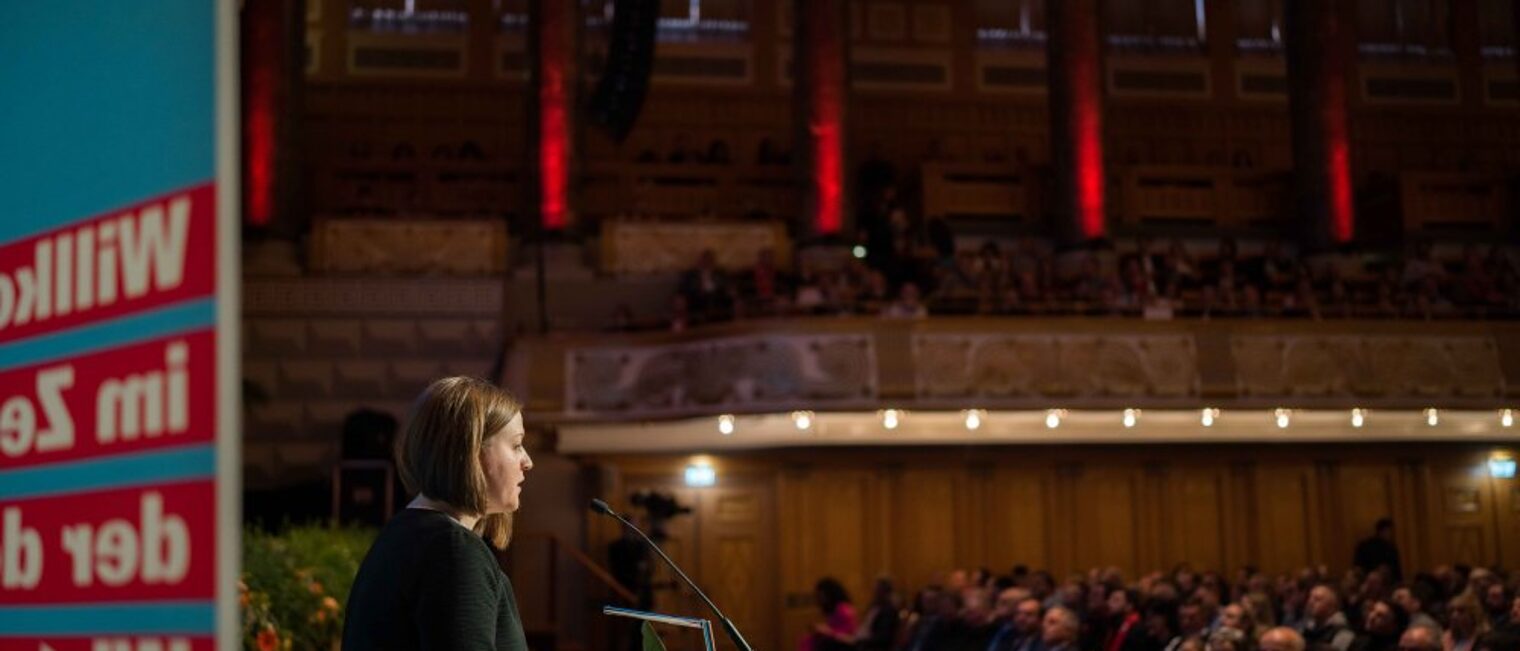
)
(1139, 279)
(1450, 608)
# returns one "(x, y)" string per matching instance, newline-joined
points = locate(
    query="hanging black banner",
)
(619, 95)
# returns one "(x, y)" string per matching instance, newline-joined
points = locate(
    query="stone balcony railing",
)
(1027, 363)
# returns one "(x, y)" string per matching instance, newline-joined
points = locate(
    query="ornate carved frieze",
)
(457, 247)
(1080, 366)
(632, 246)
(744, 373)
(1396, 366)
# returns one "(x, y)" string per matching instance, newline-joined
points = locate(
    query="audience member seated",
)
(907, 305)
(1128, 280)
(764, 289)
(1101, 611)
(708, 292)
(837, 630)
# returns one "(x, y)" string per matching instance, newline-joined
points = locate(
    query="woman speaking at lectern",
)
(430, 582)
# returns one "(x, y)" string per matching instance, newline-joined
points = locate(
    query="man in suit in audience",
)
(1021, 630)
(1420, 638)
(1413, 599)
(1282, 638)
(1326, 625)
(1059, 629)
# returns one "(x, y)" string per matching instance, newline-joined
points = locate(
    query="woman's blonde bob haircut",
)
(438, 454)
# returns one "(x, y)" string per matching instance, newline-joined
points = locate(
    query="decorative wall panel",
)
(1030, 366)
(740, 373)
(1367, 366)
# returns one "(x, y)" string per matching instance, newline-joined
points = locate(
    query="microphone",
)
(728, 626)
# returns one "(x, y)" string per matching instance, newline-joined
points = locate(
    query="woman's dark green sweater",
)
(430, 584)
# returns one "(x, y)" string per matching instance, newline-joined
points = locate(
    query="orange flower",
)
(243, 599)
(268, 640)
(314, 587)
(330, 603)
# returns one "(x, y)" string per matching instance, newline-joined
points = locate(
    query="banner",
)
(119, 512)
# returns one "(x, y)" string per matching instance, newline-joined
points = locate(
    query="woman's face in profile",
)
(506, 464)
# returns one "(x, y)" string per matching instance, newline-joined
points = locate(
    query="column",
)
(1074, 61)
(820, 86)
(272, 70)
(1320, 42)
(551, 124)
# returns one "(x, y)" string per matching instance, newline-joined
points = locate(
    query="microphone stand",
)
(728, 626)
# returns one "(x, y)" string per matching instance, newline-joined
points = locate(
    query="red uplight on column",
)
(1089, 149)
(1338, 152)
(825, 78)
(263, 61)
(1076, 116)
(553, 125)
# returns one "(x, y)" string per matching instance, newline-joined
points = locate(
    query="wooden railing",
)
(386, 245)
(1220, 198)
(687, 189)
(637, 246)
(1449, 201)
(978, 191)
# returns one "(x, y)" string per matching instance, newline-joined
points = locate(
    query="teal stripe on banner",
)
(180, 317)
(114, 472)
(106, 104)
(184, 618)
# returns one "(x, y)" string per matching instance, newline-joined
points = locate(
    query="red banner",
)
(131, 544)
(143, 256)
(153, 394)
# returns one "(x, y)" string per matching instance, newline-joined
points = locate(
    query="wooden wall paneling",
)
(738, 543)
(1465, 498)
(1018, 520)
(791, 549)
(1412, 521)
(1367, 493)
(881, 518)
(1063, 519)
(1107, 532)
(1288, 509)
(1240, 521)
(963, 47)
(971, 537)
(822, 531)
(1433, 503)
(1507, 520)
(924, 536)
(1328, 546)
(1193, 512)
(1152, 505)
(480, 48)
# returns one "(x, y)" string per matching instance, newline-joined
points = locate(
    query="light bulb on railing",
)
(973, 418)
(802, 419)
(1131, 416)
(1432, 416)
(1207, 416)
(1283, 417)
(1053, 417)
(890, 418)
(1507, 417)
(1358, 417)
(726, 424)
